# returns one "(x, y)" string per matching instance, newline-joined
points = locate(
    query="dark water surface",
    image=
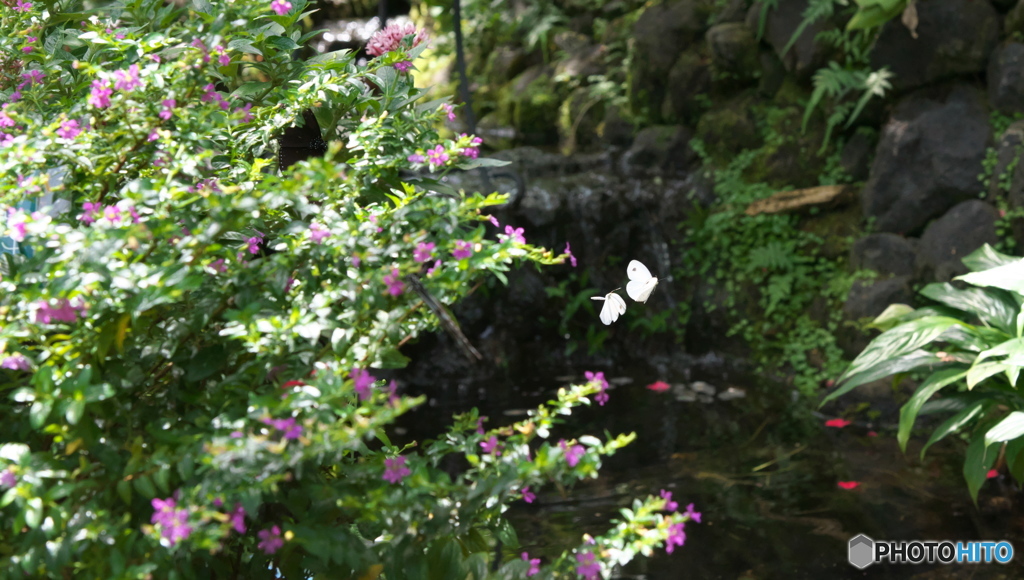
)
(762, 469)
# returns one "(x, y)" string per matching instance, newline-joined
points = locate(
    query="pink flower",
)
(670, 506)
(63, 312)
(992, 473)
(434, 268)
(838, 423)
(676, 537)
(246, 115)
(168, 105)
(92, 210)
(395, 469)
(450, 110)
(572, 454)
(694, 516)
(254, 243)
(32, 77)
(153, 136)
(173, 522)
(238, 518)
(437, 156)
(403, 66)
(99, 97)
(127, 80)
(473, 150)
(494, 221)
(534, 564)
(15, 362)
(281, 7)
(270, 540)
(391, 36)
(224, 60)
(659, 386)
(424, 251)
(290, 428)
(462, 250)
(480, 425)
(601, 397)
(848, 484)
(318, 233)
(356, 260)
(5, 119)
(416, 158)
(515, 234)
(394, 283)
(872, 434)
(22, 6)
(491, 446)
(528, 496)
(7, 478)
(362, 381)
(588, 567)
(572, 258)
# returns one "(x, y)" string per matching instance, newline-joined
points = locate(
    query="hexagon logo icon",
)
(862, 550)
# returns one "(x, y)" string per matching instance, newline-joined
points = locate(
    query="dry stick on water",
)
(448, 321)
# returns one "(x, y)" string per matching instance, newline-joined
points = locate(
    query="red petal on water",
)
(848, 484)
(840, 423)
(658, 386)
(993, 473)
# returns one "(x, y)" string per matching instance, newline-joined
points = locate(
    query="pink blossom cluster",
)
(395, 469)
(173, 521)
(573, 453)
(15, 362)
(112, 214)
(211, 94)
(602, 396)
(291, 429)
(362, 382)
(270, 540)
(63, 311)
(390, 38)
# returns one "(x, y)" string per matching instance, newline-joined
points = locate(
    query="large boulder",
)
(530, 105)
(1006, 78)
(928, 159)
(660, 35)
(885, 254)
(734, 52)
(804, 55)
(689, 81)
(659, 149)
(945, 242)
(730, 128)
(954, 37)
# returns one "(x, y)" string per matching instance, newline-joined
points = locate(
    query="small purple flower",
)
(416, 158)
(16, 362)
(494, 221)
(281, 7)
(449, 110)
(127, 80)
(362, 381)
(534, 564)
(32, 77)
(223, 59)
(270, 540)
(246, 115)
(394, 283)
(153, 136)
(437, 155)
(528, 496)
(434, 268)
(572, 258)
(22, 6)
(238, 518)
(395, 469)
(289, 426)
(254, 243)
(237, 434)
(391, 36)
(588, 567)
(63, 312)
(167, 111)
(403, 65)
(356, 260)
(5, 119)
(69, 129)
(694, 516)
(473, 150)
(480, 425)
(8, 479)
(462, 250)
(676, 537)
(318, 233)
(491, 446)
(670, 506)
(92, 210)
(99, 97)
(515, 234)
(19, 223)
(173, 522)
(424, 251)
(602, 396)
(572, 454)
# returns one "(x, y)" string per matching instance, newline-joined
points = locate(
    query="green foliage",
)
(835, 83)
(873, 13)
(971, 340)
(770, 273)
(184, 350)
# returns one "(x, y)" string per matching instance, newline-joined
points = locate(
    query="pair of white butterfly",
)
(639, 288)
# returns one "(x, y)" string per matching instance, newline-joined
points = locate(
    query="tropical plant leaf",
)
(982, 371)
(1014, 454)
(1008, 277)
(932, 385)
(977, 462)
(908, 362)
(956, 422)
(893, 315)
(986, 258)
(991, 306)
(1011, 427)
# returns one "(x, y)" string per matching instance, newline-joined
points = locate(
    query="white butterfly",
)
(641, 283)
(614, 306)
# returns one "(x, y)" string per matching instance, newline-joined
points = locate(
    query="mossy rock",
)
(791, 157)
(836, 228)
(530, 104)
(579, 118)
(730, 128)
(688, 84)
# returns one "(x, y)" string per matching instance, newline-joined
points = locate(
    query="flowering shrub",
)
(188, 338)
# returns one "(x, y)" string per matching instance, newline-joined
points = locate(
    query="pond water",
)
(761, 468)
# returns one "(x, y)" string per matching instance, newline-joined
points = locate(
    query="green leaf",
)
(932, 385)
(390, 358)
(898, 341)
(39, 412)
(957, 422)
(124, 489)
(991, 306)
(34, 512)
(1014, 453)
(893, 315)
(482, 162)
(980, 372)
(1011, 427)
(909, 362)
(282, 43)
(986, 258)
(977, 463)
(1008, 277)
(144, 485)
(76, 408)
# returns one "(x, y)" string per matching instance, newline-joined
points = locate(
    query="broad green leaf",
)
(39, 411)
(1014, 454)
(34, 512)
(124, 489)
(992, 306)
(144, 485)
(908, 362)
(985, 258)
(893, 315)
(932, 385)
(1011, 427)
(1008, 277)
(76, 408)
(898, 341)
(980, 372)
(956, 422)
(977, 462)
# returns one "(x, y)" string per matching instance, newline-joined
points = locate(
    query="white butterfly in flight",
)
(614, 306)
(641, 283)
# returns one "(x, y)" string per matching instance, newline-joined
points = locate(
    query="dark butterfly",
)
(298, 143)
